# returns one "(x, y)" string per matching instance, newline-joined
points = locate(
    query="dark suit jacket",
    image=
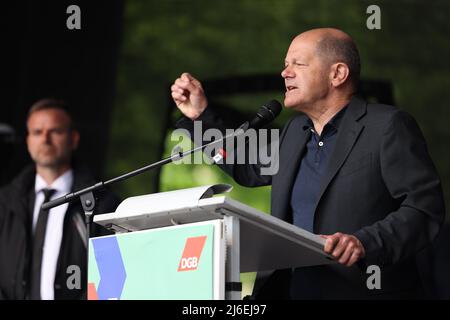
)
(16, 208)
(380, 185)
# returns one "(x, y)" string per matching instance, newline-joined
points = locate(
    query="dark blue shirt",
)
(311, 171)
(305, 281)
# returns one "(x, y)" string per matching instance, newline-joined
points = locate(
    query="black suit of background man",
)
(51, 141)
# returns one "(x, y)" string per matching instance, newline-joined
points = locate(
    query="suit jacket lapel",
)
(348, 133)
(292, 149)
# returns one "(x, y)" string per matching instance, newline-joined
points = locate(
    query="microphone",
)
(266, 114)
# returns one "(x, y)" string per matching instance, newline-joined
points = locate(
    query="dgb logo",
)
(191, 253)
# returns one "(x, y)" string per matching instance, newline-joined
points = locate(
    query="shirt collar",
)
(334, 122)
(62, 184)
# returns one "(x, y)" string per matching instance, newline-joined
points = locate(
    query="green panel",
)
(151, 260)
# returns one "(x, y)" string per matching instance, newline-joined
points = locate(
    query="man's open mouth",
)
(290, 88)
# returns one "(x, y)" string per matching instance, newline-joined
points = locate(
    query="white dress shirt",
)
(54, 229)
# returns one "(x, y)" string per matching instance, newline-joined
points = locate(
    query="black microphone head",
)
(266, 114)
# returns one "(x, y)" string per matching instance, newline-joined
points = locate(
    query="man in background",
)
(40, 250)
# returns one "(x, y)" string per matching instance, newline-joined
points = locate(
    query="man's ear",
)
(75, 137)
(339, 74)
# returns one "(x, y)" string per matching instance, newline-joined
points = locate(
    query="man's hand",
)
(188, 94)
(345, 248)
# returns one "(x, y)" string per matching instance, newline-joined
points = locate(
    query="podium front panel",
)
(179, 262)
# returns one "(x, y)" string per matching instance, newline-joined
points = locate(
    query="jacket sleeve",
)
(411, 179)
(247, 173)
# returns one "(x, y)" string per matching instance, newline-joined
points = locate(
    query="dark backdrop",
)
(41, 57)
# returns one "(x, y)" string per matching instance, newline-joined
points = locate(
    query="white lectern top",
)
(266, 242)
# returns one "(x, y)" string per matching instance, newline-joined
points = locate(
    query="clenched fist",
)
(188, 94)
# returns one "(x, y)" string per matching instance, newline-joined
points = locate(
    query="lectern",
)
(191, 244)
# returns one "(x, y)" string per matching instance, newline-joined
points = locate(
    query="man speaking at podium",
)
(357, 173)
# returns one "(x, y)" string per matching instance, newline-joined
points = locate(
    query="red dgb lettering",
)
(191, 253)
